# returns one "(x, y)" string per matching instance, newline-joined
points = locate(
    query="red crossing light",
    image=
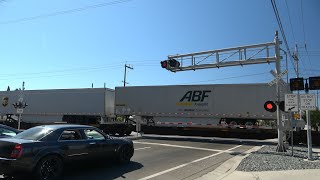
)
(164, 64)
(270, 106)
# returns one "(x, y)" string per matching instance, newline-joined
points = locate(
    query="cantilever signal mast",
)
(237, 56)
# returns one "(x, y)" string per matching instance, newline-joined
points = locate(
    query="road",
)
(161, 159)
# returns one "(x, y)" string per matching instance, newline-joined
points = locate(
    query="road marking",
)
(178, 146)
(186, 164)
(142, 148)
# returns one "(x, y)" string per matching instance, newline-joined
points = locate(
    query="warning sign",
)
(308, 101)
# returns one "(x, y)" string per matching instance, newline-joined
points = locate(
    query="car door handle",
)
(92, 143)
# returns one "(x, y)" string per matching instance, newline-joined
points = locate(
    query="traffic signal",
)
(296, 84)
(314, 83)
(164, 64)
(270, 106)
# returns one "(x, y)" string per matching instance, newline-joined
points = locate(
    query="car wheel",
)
(49, 168)
(125, 153)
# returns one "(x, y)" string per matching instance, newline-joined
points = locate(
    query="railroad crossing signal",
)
(171, 63)
(277, 77)
(20, 105)
(272, 107)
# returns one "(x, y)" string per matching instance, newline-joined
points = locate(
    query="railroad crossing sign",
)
(308, 101)
(291, 102)
(277, 77)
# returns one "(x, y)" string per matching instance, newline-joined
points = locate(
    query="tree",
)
(315, 119)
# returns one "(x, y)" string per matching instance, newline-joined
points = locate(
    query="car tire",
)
(124, 154)
(49, 168)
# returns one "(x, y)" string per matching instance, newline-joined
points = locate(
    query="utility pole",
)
(125, 73)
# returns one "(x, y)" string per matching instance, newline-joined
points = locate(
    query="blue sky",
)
(49, 47)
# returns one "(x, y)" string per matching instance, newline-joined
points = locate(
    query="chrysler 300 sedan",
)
(6, 131)
(43, 150)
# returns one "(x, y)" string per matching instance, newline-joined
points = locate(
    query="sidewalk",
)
(227, 171)
(308, 174)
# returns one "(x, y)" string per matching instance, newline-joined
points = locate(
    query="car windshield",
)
(35, 133)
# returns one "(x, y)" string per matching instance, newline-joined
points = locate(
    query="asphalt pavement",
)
(162, 159)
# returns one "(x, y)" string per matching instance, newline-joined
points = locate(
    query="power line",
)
(304, 34)
(64, 12)
(275, 9)
(290, 21)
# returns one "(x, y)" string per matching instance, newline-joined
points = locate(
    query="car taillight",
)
(17, 151)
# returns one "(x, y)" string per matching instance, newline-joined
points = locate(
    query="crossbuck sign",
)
(277, 77)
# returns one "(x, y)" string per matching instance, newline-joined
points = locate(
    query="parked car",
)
(6, 131)
(43, 150)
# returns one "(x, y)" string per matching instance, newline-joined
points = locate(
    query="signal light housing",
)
(164, 64)
(296, 84)
(270, 106)
(172, 63)
(314, 83)
(281, 106)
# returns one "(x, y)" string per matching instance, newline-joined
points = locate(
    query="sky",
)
(76, 43)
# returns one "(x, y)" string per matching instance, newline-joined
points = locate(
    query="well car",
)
(43, 150)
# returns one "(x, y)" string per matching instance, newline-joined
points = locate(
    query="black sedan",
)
(43, 150)
(6, 131)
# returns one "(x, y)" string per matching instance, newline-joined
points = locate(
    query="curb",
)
(229, 166)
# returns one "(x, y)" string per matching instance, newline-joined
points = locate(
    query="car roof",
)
(65, 126)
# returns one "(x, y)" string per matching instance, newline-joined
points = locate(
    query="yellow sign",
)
(296, 116)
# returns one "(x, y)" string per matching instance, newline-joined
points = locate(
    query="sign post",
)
(291, 105)
(308, 102)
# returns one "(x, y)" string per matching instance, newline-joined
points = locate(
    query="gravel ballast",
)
(267, 159)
